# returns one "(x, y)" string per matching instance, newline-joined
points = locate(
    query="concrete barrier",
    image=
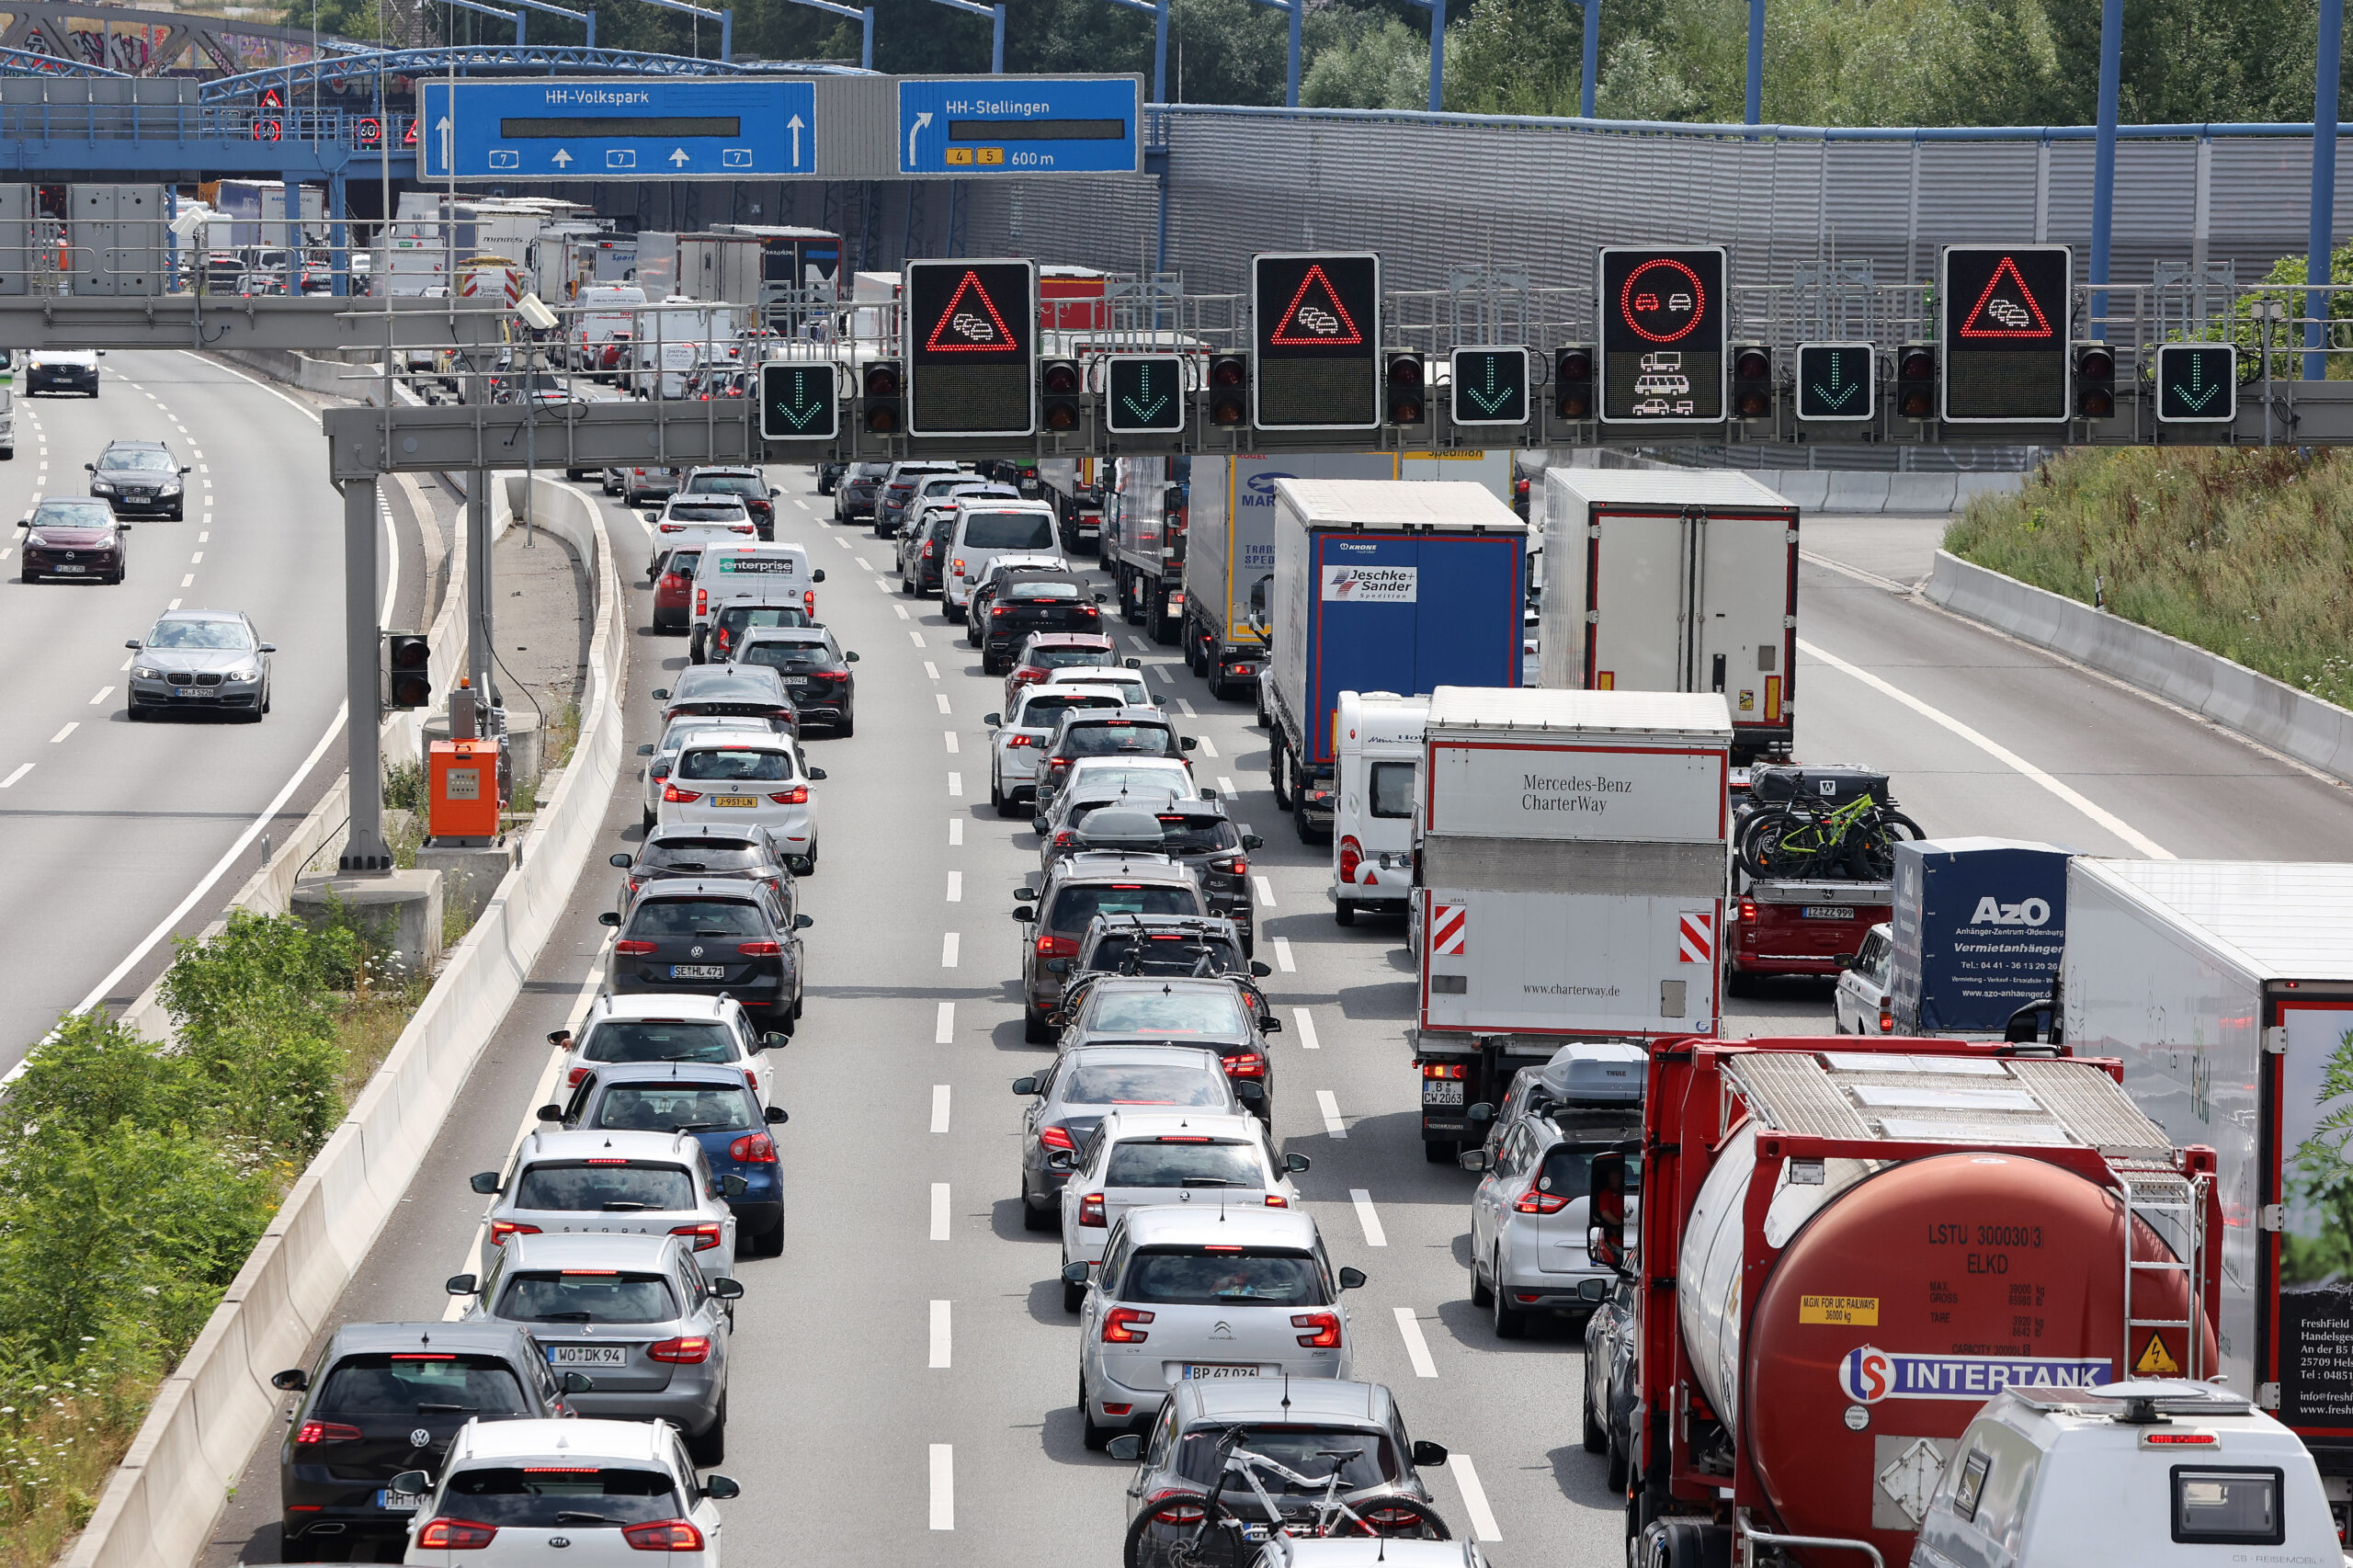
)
(158, 1507)
(1923, 493)
(1857, 493)
(2314, 732)
(1806, 487)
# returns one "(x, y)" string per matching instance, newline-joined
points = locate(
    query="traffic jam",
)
(1956, 1272)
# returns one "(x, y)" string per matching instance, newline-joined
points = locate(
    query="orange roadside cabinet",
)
(461, 792)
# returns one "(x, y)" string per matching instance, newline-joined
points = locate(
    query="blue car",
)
(716, 1105)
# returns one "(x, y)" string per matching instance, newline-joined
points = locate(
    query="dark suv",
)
(1105, 732)
(385, 1397)
(707, 936)
(1226, 1014)
(140, 476)
(1055, 915)
(854, 494)
(1046, 601)
(1159, 944)
(1196, 832)
(709, 851)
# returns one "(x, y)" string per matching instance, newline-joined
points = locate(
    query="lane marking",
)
(861, 561)
(951, 742)
(955, 831)
(948, 946)
(174, 604)
(1282, 956)
(22, 768)
(189, 580)
(104, 692)
(939, 1211)
(940, 1108)
(1418, 1349)
(800, 503)
(1205, 746)
(1330, 1107)
(918, 640)
(1225, 787)
(126, 664)
(69, 729)
(929, 669)
(943, 1486)
(197, 559)
(1998, 752)
(1142, 646)
(903, 612)
(945, 1032)
(205, 538)
(879, 584)
(1185, 709)
(941, 698)
(1266, 892)
(955, 878)
(1306, 1021)
(1474, 1496)
(939, 1334)
(842, 540)
(1375, 1236)
(956, 784)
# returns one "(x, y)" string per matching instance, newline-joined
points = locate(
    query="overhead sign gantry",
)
(630, 127)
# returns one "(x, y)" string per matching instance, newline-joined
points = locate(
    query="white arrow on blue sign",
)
(974, 126)
(540, 129)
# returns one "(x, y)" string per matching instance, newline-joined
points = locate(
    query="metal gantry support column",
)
(866, 41)
(478, 599)
(2324, 198)
(1438, 50)
(1160, 52)
(1290, 70)
(996, 42)
(362, 649)
(2111, 48)
(1592, 56)
(339, 234)
(1756, 63)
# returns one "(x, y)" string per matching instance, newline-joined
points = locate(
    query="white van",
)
(731, 571)
(2156, 1472)
(597, 340)
(7, 422)
(986, 528)
(1377, 747)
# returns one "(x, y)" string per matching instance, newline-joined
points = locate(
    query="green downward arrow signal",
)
(1833, 396)
(1144, 412)
(1493, 397)
(803, 410)
(2191, 395)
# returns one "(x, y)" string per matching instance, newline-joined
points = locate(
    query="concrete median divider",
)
(158, 1508)
(2298, 723)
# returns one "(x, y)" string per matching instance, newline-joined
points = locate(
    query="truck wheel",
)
(1278, 774)
(1307, 834)
(1220, 687)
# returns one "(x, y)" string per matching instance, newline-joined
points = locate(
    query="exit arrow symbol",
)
(1494, 398)
(1832, 395)
(802, 409)
(678, 158)
(921, 120)
(562, 159)
(1144, 412)
(442, 125)
(2190, 394)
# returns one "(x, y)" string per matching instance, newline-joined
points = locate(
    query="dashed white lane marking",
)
(939, 1211)
(189, 580)
(862, 562)
(943, 1486)
(1142, 646)
(1474, 1496)
(104, 692)
(800, 503)
(1330, 1106)
(174, 604)
(1225, 787)
(879, 584)
(65, 732)
(205, 538)
(1266, 892)
(930, 670)
(951, 737)
(1185, 709)
(1375, 1236)
(955, 878)
(22, 768)
(956, 784)
(939, 1334)
(948, 946)
(903, 612)
(1205, 746)
(918, 642)
(944, 1033)
(1418, 1349)
(955, 831)
(197, 559)
(1306, 1021)
(842, 540)
(940, 1108)
(941, 698)
(1282, 956)
(127, 663)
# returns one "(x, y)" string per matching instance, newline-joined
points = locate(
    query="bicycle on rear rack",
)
(1208, 1534)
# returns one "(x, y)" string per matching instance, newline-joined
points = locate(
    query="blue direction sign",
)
(1011, 125)
(556, 127)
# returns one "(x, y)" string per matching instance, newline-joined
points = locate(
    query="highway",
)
(862, 1435)
(161, 822)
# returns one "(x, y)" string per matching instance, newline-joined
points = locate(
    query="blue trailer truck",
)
(1978, 927)
(1381, 585)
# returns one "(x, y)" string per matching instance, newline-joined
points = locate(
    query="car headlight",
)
(171, 487)
(100, 487)
(245, 675)
(147, 672)
(36, 541)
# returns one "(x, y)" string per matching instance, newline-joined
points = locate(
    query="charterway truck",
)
(1568, 870)
(2227, 989)
(1381, 585)
(1675, 580)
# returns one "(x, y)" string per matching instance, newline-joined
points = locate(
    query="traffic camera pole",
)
(364, 849)
(478, 644)
(2317, 275)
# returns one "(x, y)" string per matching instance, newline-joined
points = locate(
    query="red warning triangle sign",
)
(959, 330)
(2013, 314)
(410, 135)
(269, 99)
(1312, 324)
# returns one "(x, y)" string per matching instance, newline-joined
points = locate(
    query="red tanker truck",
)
(1844, 1249)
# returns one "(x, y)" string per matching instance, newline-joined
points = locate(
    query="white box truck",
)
(1376, 782)
(1675, 580)
(1569, 871)
(2226, 989)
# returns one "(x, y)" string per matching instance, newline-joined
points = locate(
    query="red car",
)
(673, 589)
(1046, 652)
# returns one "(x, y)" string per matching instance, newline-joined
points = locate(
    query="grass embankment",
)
(135, 1180)
(2248, 553)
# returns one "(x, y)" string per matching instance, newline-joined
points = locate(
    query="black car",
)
(1609, 1381)
(746, 485)
(82, 540)
(1196, 832)
(707, 850)
(816, 670)
(899, 487)
(1055, 914)
(140, 476)
(1160, 944)
(63, 370)
(710, 937)
(829, 475)
(730, 625)
(994, 578)
(1050, 601)
(854, 494)
(1167, 1009)
(729, 691)
(387, 1397)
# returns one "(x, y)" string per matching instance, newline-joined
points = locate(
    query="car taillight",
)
(1886, 1021)
(686, 1350)
(1536, 1201)
(759, 950)
(1053, 1137)
(926, 550)
(1090, 1212)
(1027, 674)
(1235, 867)
(572, 1079)
(706, 1235)
(1748, 912)
(702, 601)
(1386, 1520)
(796, 796)
(662, 1535)
(1001, 609)
(753, 1149)
(1324, 1329)
(1175, 1508)
(671, 792)
(502, 1229)
(672, 581)
(957, 564)
(1057, 947)
(1118, 1326)
(739, 527)
(1276, 1200)
(809, 600)
(326, 1432)
(633, 949)
(1012, 741)
(456, 1535)
(1247, 1064)
(723, 637)
(1351, 856)
(1062, 839)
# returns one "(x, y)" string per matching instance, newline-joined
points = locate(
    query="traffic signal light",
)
(1407, 378)
(1573, 381)
(882, 391)
(1489, 386)
(1229, 389)
(1059, 381)
(2197, 382)
(1915, 381)
(408, 680)
(1752, 382)
(798, 402)
(2095, 381)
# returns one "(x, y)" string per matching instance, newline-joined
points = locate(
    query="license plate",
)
(1255, 1532)
(732, 801)
(1441, 1091)
(799, 683)
(588, 1354)
(1825, 911)
(69, 569)
(195, 691)
(697, 970)
(1198, 1372)
(399, 1502)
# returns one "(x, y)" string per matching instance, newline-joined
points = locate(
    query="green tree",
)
(1372, 61)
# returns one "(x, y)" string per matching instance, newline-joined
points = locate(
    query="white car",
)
(699, 521)
(1013, 750)
(1137, 1159)
(632, 1183)
(566, 1492)
(703, 1030)
(1127, 683)
(664, 754)
(742, 780)
(986, 529)
(1091, 775)
(1863, 997)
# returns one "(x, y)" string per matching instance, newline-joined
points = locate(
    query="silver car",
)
(1021, 735)
(200, 661)
(1069, 1099)
(634, 1313)
(1203, 1293)
(680, 732)
(1220, 1160)
(1864, 997)
(643, 1184)
(1527, 1226)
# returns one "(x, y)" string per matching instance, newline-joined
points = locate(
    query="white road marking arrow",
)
(678, 156)
(562, 158)
(921, 120)
(794, 124)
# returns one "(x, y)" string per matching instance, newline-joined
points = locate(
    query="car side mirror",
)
(850, 657)
(816, 776)
(1062, 1160)
(1075, 1274)
(1186, 743)
(294, 1379)
(1058, 1018)
(1250, 1093)
(1102, 598)
(1270, 1026)
(818, 576)
(1480, 1113)
(1351, 1280)
(1604, 1239)
(623, 861)
(1132, 663)
(660, 694)
(1209, 794)
(130, 642)
(549, 1113)
(416, 1482)
(484, 1182)
(462, 1285)
(1058, 966)
(1128, 1446)
(733, 1187)
(1259, 971)
(798, 864)
(269, 647)
(1024, 914)
(1477, 1160)
(661, 768)
(1430, 1454)
(1592, 1289)
(721, 1488)
(560, 1038)
(188, 471)
(645, 750)
(1253, 840)
(803, 922)
(774, 493)
(1025, 895)
(992, 719)
(1297, 1163)
(727, 1289)
(1025, 1085)
(608, 918)
(1037, 825)
(89, 468)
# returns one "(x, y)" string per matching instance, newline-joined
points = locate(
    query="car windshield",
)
(1068, 658)
(146, 461)
(697, 918)
(678, 1107)
(1205, 1277)
(683, 563)
(228, 634)
(1363, 1458)
(1164, 780)
(618, 1188)
(1165, 1013)
(740, 619)
(74, 515)
(1108, 1082)
(1048, 589)
(421, 1383)
(1166, 953)
(1042, 710)
(707, 512)
(735, 763)
(1008, 530)
(1115, 737)
(1182, 1160)
(545, 1496)
(700, 854)
(586, 1295)
(658, 1039)
(726, 484)
(786, 655)
(1393, 789)
(1075, 906)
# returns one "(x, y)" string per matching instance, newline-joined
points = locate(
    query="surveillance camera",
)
(535, 314)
